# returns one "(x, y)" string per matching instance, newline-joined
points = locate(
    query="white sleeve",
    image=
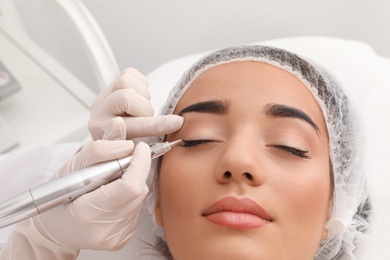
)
(26, 242)
(19, 172)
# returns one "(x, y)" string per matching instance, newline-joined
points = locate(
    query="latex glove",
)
(128, 96)
(106, 218)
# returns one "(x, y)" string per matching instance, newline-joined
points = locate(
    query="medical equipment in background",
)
(100, 53)
(8, 86)
(69, 187)
(50, 105)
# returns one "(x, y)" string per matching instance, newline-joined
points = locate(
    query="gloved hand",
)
(128, 96)
(106, 218)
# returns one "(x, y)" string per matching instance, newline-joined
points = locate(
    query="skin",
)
(243, 160)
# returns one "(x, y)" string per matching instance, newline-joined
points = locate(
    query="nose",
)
(240, 162)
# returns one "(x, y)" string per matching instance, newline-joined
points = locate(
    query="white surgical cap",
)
(350, 208)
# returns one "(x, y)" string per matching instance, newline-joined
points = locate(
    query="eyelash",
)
(192, 143)
(294, 151)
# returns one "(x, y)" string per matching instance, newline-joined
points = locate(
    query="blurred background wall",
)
(145, 33)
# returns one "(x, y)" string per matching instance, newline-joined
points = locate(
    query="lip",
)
(237, 213)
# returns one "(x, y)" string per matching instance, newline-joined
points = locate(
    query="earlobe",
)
(157, 215)
(325, 232)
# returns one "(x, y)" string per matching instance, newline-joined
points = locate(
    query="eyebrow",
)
(212, 106)
(273, 110)
(278, 110)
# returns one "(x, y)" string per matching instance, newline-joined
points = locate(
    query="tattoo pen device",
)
(68, 187)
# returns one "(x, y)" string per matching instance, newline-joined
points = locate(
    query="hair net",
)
(350, 207)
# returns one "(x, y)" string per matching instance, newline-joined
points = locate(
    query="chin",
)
(227, 250)
(239, 249)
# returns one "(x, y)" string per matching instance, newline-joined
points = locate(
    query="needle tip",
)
(171, 144)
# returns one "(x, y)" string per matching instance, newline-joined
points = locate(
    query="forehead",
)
(249, 82)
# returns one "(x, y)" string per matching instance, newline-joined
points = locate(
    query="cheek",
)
(306, 197)
(179, 184)
(311, 195)
(184, 185)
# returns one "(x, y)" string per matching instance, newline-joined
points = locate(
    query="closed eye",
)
(294, 151)
(192, 143)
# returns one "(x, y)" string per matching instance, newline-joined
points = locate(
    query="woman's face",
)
(252, 180)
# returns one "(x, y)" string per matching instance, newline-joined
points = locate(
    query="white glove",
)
(106, 218)
(128, 97)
